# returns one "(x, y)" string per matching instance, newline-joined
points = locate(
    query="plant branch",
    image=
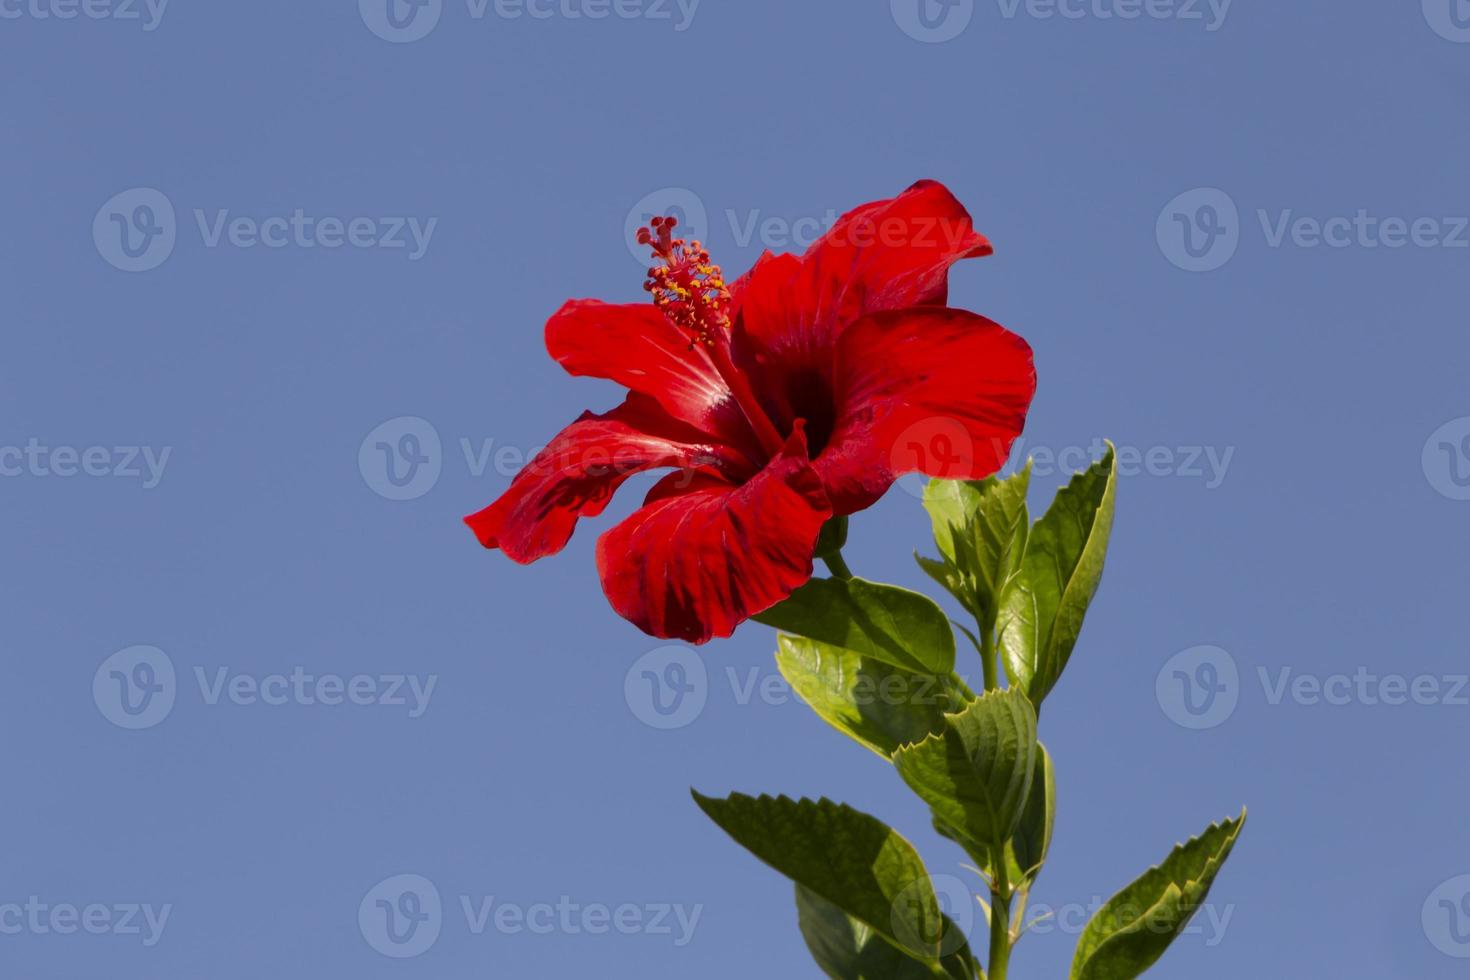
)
(1000, 914)
(837, 565)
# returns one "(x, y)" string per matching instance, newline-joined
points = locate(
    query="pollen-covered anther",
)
(686, 286)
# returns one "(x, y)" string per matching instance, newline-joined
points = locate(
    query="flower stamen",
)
(690, 290)
(687, 287)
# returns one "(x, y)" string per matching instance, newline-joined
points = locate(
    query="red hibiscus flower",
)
(798, 393)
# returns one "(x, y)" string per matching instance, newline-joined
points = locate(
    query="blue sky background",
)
(1332, 543)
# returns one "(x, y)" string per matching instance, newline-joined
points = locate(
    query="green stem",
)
(837, 565)
(1000, 920)
(988, 658)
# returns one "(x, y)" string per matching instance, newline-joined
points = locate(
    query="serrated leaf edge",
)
(1211, 870)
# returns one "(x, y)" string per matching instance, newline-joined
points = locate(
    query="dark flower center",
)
(810, 396)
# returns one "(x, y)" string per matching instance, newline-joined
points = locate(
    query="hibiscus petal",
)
(580, 469)
(694, 565)
(941, 391)
(887, 255)
(636, 346)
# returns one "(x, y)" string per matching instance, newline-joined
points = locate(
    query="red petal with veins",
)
(886, 255)
(693, 565)
(639, 348)
(941, 391)
(578, 472)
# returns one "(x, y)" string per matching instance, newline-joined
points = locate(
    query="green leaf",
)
(1131, 932)
(884, 622)
(950, 579)
(852, 860)
(848, 950)
(977, 773)
(1043, 606)
(1029, 847)
(875, 703)
(980, 527)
